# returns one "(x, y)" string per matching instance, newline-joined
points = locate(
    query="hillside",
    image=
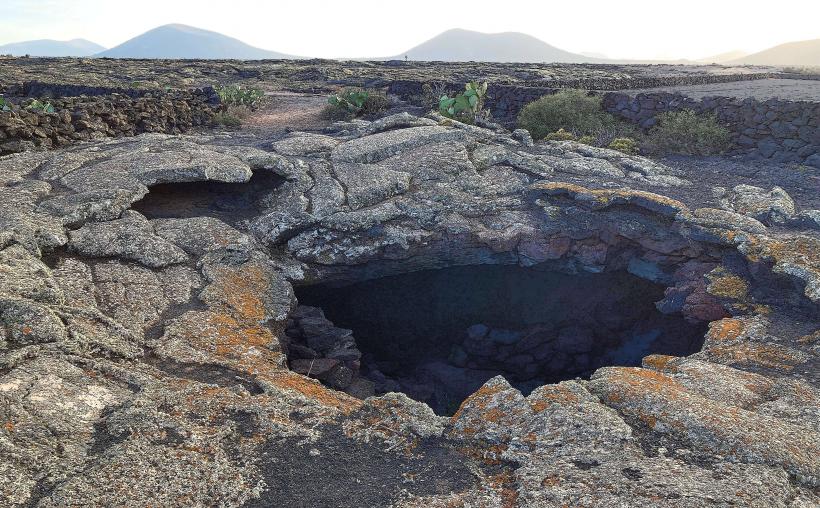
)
(466, 45)
(182, 41)
(49, 47)
(723, 57)
(803, 53)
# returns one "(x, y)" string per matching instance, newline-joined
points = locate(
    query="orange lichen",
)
(551, 481)
(728, 286)
(658, 362)
(9, 426)
(479, 399)
(725, 330)
(504, 484)
(316, 391)
(552, 394)
(810, 338)
(607, 197)
(756, 355)
(241, 289)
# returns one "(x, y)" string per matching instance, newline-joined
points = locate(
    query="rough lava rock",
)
(160, 360)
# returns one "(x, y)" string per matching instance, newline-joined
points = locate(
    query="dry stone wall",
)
(785, 131)
(113, 115)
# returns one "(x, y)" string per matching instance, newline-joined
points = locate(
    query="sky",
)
(637, 29)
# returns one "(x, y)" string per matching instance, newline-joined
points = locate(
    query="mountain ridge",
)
(178, 41)
(802, 53)
(51, 48)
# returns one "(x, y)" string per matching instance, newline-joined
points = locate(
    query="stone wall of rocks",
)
(785, 131)
(88, 117)
(43, 89)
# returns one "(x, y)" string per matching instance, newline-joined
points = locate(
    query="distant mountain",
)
(182, 41)
(459, 45)
(48, 47)
(723, 57)
(803, 53)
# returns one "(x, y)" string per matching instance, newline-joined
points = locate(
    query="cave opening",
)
(438, 335)
(229, 202)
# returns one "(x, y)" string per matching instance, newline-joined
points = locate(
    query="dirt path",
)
(287, 110)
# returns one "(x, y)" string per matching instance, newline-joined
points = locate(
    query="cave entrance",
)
(438, 335)
(229, 202)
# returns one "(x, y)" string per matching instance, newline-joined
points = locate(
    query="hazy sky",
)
(337, 28)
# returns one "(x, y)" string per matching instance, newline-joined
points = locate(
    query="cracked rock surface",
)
(144, 354)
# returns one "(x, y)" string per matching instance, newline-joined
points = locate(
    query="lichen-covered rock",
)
(166, 349)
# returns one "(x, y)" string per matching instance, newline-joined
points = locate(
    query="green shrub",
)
(37, 105)
(4, 105)
(235, 95)
(626, 145)
(587, 140)
(353, 102)
(227, 119)
(374, 104)
(686, 132)
(431, 94)
(571, 110)
(350, 100)
(465, 106)
(560, 135)
(232, 116)
(335, 113)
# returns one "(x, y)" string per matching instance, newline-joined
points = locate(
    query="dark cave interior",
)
(229, 202)
(438, 335)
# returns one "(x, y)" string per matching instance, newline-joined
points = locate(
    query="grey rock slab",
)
(382, 145)
(369, 184)
(398, 121)
(129, 293)
(199, 235)
(131, 171)
(304, 144)
(130, 238)
(27, 322)
(723, 219)
(23, 275)
(21, 223)
(327, 194)
(774, 206)
(74, 210)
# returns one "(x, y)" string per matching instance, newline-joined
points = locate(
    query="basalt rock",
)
(153, 352)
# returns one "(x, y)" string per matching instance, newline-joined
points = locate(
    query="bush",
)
(685, 132)
(232, 116)
(37, 105)
(226, 119)
(571, 110)
(587, 140)
(374, 104)
(235, 95)
(466, 106)
(4, 105)
(353, 102)
(431, 94)
(626, 145)
(560, 135)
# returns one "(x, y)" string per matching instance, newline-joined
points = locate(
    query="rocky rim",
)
(141, 352)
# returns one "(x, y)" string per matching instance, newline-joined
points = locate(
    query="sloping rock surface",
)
(142, 353)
